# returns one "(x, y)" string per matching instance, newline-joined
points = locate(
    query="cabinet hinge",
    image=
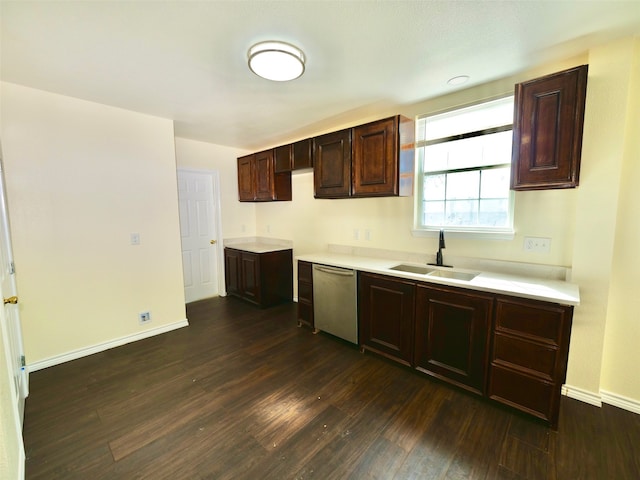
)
(12, 268)
(23, 361)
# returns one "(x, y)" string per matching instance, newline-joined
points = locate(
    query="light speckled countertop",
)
(258, 244)
(547, 290)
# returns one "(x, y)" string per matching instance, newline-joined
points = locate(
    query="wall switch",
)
(537, 244)
(144, 317)
(135, 239)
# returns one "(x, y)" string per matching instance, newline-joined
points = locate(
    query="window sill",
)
(506, 234)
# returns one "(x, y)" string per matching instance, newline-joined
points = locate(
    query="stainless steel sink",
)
(466, 276)
(413, 269)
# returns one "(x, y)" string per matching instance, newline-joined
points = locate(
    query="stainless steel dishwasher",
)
(335, 309)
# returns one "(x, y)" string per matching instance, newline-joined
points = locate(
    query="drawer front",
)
(539, 358)
(305, 292)
(305, 272)
(542, 322)
(525, 393)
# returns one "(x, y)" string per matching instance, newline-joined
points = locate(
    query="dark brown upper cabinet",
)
(547, 130)
(371, 160)
(258, 181)
(295, 156)
(332, 165)
(382, 163)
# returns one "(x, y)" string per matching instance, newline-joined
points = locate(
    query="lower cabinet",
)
(305, 294)
(511, 350)
(264, 279)
(452, 335)
(529, 355)
(386, 307)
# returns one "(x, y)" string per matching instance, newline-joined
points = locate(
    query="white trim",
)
(506, 234)
(101, 347)
(585, 396)
(620, 401)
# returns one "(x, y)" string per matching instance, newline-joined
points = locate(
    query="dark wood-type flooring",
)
(242, 393)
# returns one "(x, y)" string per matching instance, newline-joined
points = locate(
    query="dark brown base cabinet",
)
(305, 294)
(386, 307)
(511, 350)
(264, 279)
(452, 335)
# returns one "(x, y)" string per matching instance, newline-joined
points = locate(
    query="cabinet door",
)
(332, 165)
(232, 271)
(452, 335)
(246, 178)
(264, 175)
(250, 274)
(375, 159)
(282, 158)
(386, 312)
(302, 154)
(305, 293)
(547, 130)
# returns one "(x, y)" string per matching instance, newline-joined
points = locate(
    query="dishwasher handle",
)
(335, 271)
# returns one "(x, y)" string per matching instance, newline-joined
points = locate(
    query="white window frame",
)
(475, 232)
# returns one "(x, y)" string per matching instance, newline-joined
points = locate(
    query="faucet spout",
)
(441, 245)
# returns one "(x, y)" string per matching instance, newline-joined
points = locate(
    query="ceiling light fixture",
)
(277, 61)
(459, 80)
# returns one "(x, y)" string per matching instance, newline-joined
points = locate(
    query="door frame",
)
(214, 176)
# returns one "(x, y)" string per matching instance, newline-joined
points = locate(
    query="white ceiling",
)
(186, 60)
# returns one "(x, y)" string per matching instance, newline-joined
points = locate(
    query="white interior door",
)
(199, 220)
(14, 384)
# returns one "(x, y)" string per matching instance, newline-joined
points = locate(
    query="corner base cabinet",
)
(264, 279)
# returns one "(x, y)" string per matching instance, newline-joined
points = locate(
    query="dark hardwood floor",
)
(242, 393)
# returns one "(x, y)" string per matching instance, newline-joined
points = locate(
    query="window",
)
(464, 165)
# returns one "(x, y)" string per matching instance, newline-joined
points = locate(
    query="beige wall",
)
(621, 355)
(81, 177)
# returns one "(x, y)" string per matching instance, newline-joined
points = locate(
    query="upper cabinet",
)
(371, 160)
(547, 131)
(332, 165)
(295, 156)
(258, 181)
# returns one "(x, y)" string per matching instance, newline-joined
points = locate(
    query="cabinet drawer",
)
(539, 359)
(305, 292)
(305, 272)
(521, 391)
(538, 321)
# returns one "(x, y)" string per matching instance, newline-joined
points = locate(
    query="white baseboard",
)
(621, 402)
(101, 347)
(583, 395)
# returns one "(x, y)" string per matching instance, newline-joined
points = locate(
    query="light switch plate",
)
(537, 244)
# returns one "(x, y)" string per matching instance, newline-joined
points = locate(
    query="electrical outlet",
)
(356, 234)
(367, 235)
(135, 239)
(537, 244)
(144, 317)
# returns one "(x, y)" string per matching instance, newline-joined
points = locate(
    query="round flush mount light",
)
(277, 61)
(459, 80)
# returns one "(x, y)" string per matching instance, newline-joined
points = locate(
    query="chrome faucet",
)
(441, 245)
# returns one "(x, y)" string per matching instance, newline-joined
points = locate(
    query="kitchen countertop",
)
(258, 244)
(547, 290)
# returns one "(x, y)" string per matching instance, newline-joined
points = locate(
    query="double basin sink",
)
(433, 272)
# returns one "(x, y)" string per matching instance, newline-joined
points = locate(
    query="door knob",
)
(212, 242)
(12, 300)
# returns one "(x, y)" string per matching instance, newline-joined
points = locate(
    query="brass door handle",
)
(12, 300)
(212, 242)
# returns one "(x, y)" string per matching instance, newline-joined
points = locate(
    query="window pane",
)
(494, 212)
(433, 213)
(463, 185)
(436, 157)
(497, 148)
(495, 183)
(434, 187)
(462, 212)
